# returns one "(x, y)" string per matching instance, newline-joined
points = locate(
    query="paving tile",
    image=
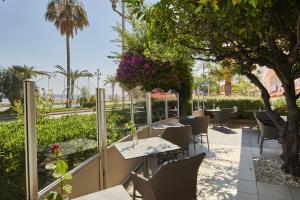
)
(246, 174)
(295, 192)
(274, 191)
(246, 186)
(245, 196)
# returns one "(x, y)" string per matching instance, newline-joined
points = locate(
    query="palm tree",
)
(68, 16)
(110, 79)
(224, 70)
(12, 78)
(74, 75)
(123, 88)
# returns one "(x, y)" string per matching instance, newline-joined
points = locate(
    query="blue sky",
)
(26, 38)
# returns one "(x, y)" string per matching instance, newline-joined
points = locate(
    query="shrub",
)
(243, 104)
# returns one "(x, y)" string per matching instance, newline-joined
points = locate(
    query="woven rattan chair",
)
(222, 117)
(179, 136)
(200, 128)
(175, 180)
(266, 127)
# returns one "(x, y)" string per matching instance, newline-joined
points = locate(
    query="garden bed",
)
(269, 171)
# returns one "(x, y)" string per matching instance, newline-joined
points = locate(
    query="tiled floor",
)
(228, 171)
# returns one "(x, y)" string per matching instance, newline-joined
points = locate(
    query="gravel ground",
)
(269, 171)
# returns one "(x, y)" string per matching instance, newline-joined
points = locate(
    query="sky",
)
(26, 38)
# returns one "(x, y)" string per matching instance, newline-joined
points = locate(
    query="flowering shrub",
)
(137, 70)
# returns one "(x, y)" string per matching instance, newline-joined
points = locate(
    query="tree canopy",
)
(251, 33)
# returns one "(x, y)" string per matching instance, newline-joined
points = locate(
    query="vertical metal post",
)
(30, 140)
(192, 109)
(131, 106)
(178, 105)
(102, 135)
(198, 100)
(166, 107)
(148, 108)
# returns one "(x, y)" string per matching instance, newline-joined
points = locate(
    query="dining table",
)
(145, 148)
(114, 193)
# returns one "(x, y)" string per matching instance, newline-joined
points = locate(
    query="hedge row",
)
(243, 104)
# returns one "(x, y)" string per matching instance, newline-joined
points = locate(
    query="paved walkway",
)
(227, 173)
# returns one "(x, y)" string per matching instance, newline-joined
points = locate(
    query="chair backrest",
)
(177, 180)
(198, 113)
(200, 124)
(264, 118)
(225, 114)
(178, 135)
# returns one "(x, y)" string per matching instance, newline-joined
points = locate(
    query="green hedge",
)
(243, 104)
(49, 131)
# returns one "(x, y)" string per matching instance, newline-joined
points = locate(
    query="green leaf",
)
(203, 2)
(67, 189)
(253, 3)
(50, 166)
(214, 5)
(61, 169)
(51, 195)
(234, 2)
(68, 176)
(59, 197)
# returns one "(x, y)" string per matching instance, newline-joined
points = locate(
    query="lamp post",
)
(98, 74)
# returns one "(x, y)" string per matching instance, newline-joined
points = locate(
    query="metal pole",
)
(192, 109)
(198, 99)
(178, 105)
(98, 77)
(166, 107)
(101, 135)
(123, 25)
(131, 106)
(148, 108)
(30, 140)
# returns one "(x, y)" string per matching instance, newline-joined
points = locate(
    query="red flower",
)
(55, 149)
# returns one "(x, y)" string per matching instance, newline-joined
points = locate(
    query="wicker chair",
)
(175, 180)
(223, 117)
(200, 128)
(177, 135)
(266, 127)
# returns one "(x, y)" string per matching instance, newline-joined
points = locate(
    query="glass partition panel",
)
(117, 111)
(158, 97)
(139, 107)
(12, 148)
(66, 121)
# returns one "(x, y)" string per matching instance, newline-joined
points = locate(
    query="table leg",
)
(146, 169)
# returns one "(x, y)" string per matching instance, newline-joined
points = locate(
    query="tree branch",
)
(294, 53)
(204, 59)
(278, 121)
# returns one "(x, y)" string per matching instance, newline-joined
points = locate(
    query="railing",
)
(82, 137)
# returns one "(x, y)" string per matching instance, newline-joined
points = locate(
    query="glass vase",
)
(135, 139)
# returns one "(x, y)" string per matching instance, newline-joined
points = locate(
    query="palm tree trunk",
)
(72, 91)
(68, 70)
(113, 91)
(227, 88)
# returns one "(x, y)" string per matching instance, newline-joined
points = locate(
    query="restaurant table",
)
(212, 110)
(145, 148)
(186, 120)
(114, 193)
(164, 125)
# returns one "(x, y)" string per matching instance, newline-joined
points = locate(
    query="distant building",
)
(273, 84)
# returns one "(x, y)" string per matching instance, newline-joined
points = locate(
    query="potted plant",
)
(60, 170)
(132, 128)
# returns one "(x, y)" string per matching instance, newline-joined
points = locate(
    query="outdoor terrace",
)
(228, 170)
